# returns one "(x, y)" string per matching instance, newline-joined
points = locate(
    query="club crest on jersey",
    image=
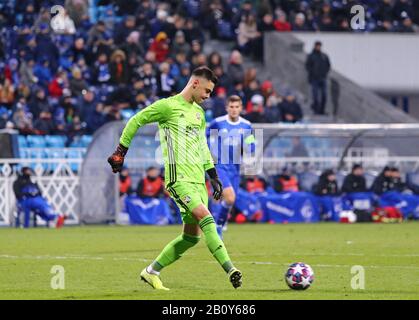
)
(186, 199)
(198, 116)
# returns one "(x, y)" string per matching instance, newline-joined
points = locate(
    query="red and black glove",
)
(116, 160)
(217, 186)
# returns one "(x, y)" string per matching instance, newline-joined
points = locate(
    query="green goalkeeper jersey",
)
(182, 136)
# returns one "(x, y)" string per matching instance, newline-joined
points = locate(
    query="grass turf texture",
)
(104, 262)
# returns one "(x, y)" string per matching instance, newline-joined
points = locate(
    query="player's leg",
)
(46, 212)
(171, 252)
(222, 211)
(215, 244)
(229, 197)
(178, 246)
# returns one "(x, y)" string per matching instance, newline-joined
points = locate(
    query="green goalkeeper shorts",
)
(188, 196)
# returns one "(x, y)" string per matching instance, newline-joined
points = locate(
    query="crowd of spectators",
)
(107, 61)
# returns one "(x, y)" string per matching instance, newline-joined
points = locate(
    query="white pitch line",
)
(5, 256)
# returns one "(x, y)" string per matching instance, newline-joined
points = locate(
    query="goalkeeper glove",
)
(217, 186)
(116, 160)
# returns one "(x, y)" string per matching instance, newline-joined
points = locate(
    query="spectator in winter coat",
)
(327, 184)
(384, 182)
(355, 181)
(318, 67)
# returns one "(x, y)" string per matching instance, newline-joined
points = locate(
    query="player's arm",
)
(158, 111)
(208, 163)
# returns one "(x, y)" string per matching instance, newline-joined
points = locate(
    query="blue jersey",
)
(228, 140)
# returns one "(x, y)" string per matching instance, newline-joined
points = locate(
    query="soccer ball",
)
(299, 276)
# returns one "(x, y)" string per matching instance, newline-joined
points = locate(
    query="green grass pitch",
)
(104, 262)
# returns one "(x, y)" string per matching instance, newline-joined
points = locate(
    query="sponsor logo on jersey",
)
(186, 199)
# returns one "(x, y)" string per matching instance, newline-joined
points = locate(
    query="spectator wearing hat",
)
(122, 30)
(266, 23)
(281, 23)
(180, 44)
(255, 115)
(299, 23)
(384, 182)
(39, 102)
(118, 68)
(318, 67)
(355, 181)
(44, 124)
(133, 46)
(327, 184)
(160, 46)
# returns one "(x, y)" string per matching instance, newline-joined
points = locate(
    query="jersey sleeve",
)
(249, 140)
(208, 161)
(158, 111)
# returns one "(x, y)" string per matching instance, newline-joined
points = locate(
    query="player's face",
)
(234, 109)
(202, 89)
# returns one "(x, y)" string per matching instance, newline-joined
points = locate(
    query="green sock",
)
(214, 243)
(174, 250)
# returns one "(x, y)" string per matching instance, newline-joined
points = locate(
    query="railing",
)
(59, 186)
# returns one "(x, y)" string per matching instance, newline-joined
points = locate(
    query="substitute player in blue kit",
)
(229, 136)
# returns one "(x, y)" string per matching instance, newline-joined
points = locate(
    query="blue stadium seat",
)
(55, 141)
(85, 141)
(127, 113)
(307, 180)
(36, 141)
(54, 154)
(21, 140)
(74, 154)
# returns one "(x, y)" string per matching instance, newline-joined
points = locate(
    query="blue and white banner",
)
(148, 211)
(407, 203)
(290, 207)
(330, 207)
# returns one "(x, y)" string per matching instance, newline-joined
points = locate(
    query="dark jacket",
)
(317, 65)
(382, 184)
(325, 187)
(353, 183)
(24, 188)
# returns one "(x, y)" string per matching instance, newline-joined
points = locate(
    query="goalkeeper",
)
(186, 157)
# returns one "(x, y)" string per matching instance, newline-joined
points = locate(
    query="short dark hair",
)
(206, 73)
